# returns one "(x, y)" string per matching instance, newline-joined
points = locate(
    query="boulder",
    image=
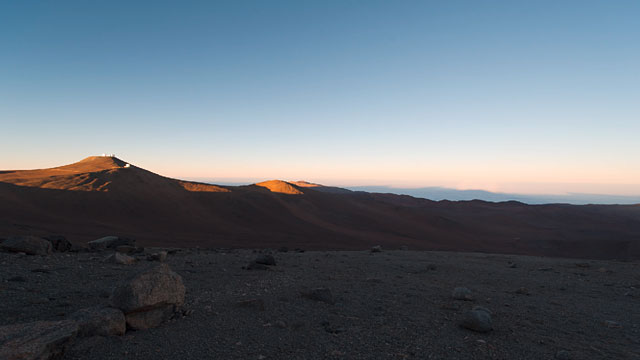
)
(150, 297)
(59, 243)
(118, 258)
(39, 340)
(376, 249)
(100, 321)
(31, 245)
(110, 242)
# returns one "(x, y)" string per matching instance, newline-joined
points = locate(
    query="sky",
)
(508, 96)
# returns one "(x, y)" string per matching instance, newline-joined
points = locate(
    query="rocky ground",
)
(345, 305)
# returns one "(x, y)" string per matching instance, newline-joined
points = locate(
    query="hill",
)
(104, 195)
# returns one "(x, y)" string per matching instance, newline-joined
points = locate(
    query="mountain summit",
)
(100, 173)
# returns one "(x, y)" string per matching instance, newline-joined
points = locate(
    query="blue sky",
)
(512, 96)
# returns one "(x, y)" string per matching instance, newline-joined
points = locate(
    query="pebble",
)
(522, 291)
(477, 320)
(320, 294)
(281, 324)
(462, 293)
(612, 324)
(265, 260)
(251, 303)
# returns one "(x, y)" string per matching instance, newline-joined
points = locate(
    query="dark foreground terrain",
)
(386, 305)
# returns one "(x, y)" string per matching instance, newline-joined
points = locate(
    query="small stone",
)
(126, 249)
(255, 266)
(118, 258)
(563, 355)
(482, 308)
(265, 260)
(41, 270)
(319, 294)
(404, 247)
(158, 256)
(477, 320)
(612, 324)
(332, 329)
(462, 293)
(281, 324)
(17, 279)
(376, 249)
(374, 280)
(42, 300)
(59, 243)
(450, 306)
(522, 291)
(251, 303)
(65, 303)
(109, 242)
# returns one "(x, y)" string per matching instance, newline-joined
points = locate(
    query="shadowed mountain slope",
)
(102, 195)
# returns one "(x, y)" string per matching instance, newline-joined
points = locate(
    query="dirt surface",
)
(387, 305)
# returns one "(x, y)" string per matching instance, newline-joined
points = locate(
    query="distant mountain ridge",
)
(105, 195)
(442, 193)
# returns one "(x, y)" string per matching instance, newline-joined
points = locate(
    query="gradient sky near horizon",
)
(511, 96)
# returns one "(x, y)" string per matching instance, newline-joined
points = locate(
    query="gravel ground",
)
(388, 305)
